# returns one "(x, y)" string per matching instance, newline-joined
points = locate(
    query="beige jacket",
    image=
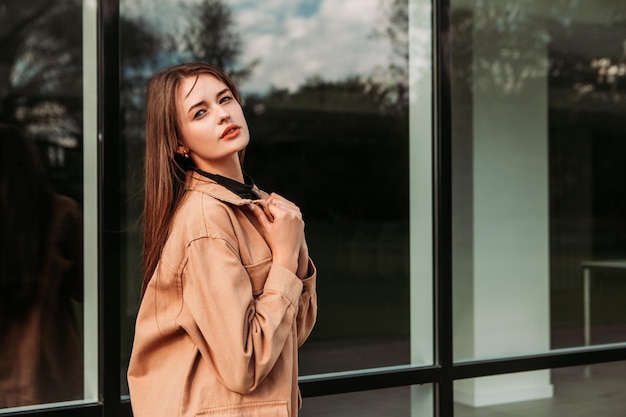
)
(218, 329)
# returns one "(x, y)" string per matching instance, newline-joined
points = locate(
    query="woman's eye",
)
(199, 114)
(225, 99)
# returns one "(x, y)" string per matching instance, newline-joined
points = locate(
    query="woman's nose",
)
(223, 115)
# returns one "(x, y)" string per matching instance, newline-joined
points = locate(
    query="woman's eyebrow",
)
(222, 92)
(202, 103)
(198, 104)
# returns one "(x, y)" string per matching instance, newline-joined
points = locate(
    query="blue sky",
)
(308, 7)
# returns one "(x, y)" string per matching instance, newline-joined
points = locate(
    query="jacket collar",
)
(197, 182)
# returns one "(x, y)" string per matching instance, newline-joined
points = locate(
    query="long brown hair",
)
(166, 170)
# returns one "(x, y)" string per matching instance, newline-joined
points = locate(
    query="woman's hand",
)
(284, 232)
(303, 260)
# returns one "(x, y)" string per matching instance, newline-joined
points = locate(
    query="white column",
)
(501, 253)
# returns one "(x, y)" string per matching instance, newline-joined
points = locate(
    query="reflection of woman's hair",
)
(165, 170)
(26, 203)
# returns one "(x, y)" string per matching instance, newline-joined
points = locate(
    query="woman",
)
(41, 278)
(228, 291)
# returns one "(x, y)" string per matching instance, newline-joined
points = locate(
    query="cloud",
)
(296, 40)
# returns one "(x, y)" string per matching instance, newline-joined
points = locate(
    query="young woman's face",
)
(212, 125)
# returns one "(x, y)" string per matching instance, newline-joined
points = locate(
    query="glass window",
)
(593, 390)
(340, 126)
(48, 196)
(409, 401)
(538, 93)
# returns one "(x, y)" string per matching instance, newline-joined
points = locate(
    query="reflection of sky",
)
(296, 40)
(293, 39)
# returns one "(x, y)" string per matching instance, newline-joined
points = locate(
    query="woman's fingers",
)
(260, 215)
(280, 200)
(280, 206)
(282, 226)
(267, 214)
(263, 204)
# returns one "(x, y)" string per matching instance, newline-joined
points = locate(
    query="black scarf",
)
(244, 190)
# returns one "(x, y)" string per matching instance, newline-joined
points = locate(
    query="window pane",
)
(583, 390)
(409, 401)
(48, 211)
(327, 97)
(538, 179)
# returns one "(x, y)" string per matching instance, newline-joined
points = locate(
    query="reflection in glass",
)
(578, 391)
(325, 89)
(390, 402)
(40, 280)
(41, 259)
(538, 95)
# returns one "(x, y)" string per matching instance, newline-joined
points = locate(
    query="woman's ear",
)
(181, 150)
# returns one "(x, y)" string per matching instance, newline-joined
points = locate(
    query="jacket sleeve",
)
(241, 335)
(307, 308)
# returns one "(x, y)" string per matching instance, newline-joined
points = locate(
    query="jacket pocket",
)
(258, 409)
(258, 273)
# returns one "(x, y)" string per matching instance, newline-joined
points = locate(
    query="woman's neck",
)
(230, 169)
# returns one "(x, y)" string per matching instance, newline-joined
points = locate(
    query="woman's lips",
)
(230, 132)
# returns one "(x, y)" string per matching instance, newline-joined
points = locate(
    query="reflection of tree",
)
(508, 46)
(394, 92)
(588, 65)
(40, 51)
(208, 36)
(139, 51)
(211, 38)
(40, 88)
(41, 78)
(500, 46)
